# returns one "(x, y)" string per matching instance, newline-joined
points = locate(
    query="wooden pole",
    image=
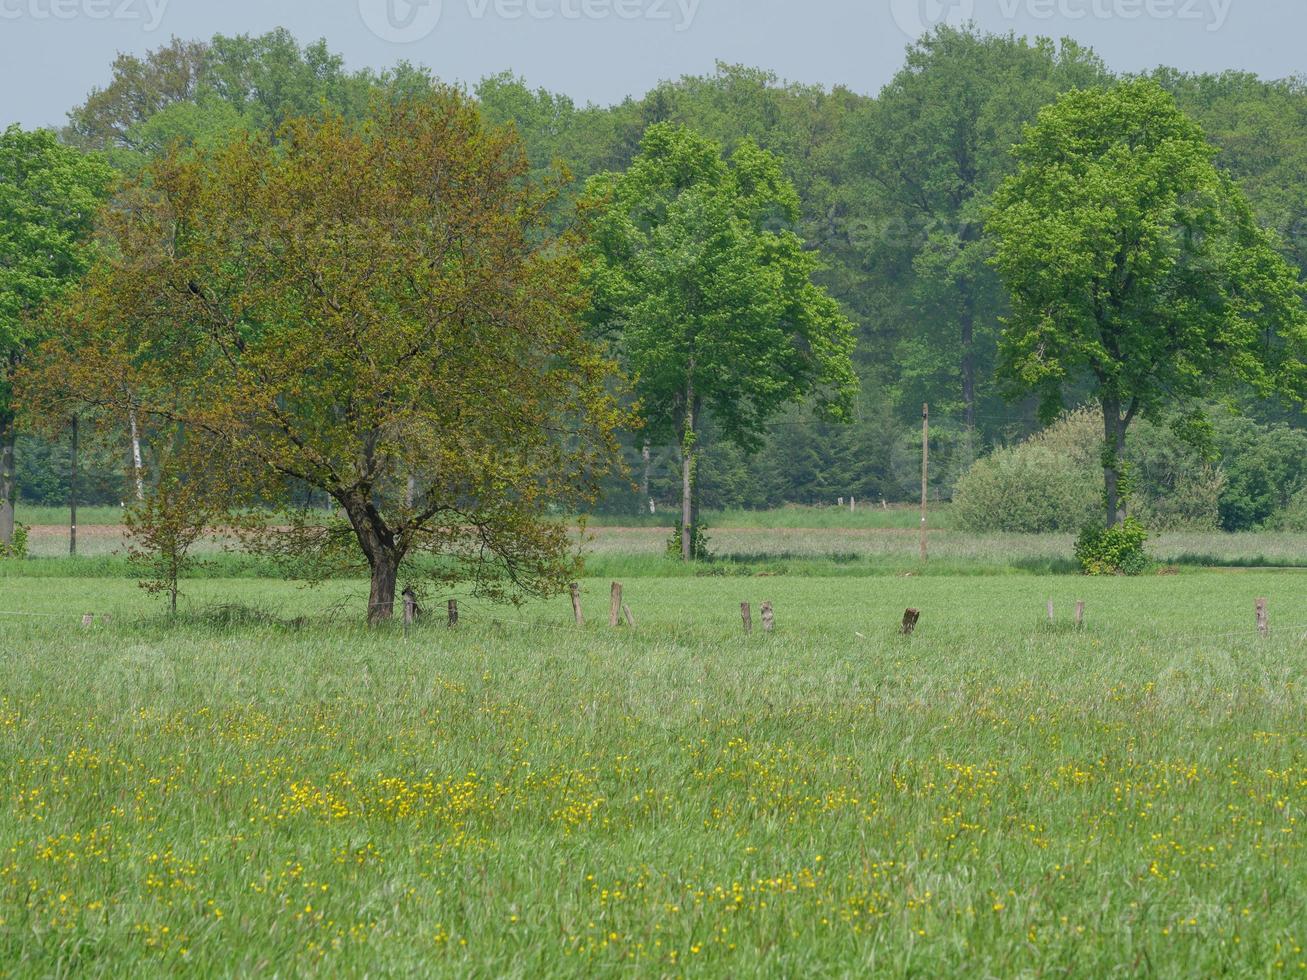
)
(630, 620)
(453, 613)
(72, 496)
(911, 618)
(410, 607)
(576, 604)
(1263, 617)
(746, 613)
(925, 473)
(1052, 614)
(1080, 614)
(615, 606)
(768, 617)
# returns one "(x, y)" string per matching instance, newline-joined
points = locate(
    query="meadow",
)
(263, 786)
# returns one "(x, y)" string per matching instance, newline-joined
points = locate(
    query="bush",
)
(698, 543)
(1178, 488)
(1115, 550)
(18, 549)
(1028, 488)
(1294, 517)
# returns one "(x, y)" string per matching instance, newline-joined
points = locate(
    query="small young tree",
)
(695, 273)
(1136, 265)
(166, 524)
(348, 307)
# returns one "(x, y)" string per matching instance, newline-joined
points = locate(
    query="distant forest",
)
(892, 187)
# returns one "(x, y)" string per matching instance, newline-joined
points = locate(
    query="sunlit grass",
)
(264, 787)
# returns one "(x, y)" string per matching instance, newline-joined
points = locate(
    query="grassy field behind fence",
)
(264, 787)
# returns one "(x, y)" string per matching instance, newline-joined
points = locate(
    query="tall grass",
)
(262, 787)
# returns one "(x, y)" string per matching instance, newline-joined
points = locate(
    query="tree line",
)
(747, 250)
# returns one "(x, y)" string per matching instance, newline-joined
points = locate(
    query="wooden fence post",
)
(1052, 614)
(615, 607)
(576, 604)
(1080, 614)
(630, 620)
(768, 617)
(746, 613)
(911, 618)
(1263, 618)
(453, 613)
(410, 607)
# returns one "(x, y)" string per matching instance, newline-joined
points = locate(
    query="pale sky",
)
(52, 52)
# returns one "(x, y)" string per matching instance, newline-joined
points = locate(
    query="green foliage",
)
(1132, 261)
(699, 543)
(1265, 467)
(1294, 517)
(1028, 489)
(326, 300)
(163, 529)
(17, 548)
(1115, 550)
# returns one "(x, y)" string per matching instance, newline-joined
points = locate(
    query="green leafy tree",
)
(372, 311)
(49, 196)
(926, 156)
(1133, 261)
(709, 295)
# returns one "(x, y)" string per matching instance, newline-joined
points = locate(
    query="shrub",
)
(698, 543)
(1028, 488)
(1115, 550)
(18, 549)
(1294, 516)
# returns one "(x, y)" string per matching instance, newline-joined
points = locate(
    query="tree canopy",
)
(1131, 259)
(49, 196)
(371, 310)
(697, 275)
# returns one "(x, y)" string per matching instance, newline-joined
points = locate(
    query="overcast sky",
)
(52, 52)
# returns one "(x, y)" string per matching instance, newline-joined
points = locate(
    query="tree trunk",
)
(7, 436)
(381, 600)
(647, 455)
(968, 356)
(687, 478)
(687, 506)
(138, 475)
(384, 557)
(1114, 428)
(72, 495)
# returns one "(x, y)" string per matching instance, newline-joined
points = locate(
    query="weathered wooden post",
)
(630, 620)
(746, 613)
(768, 617)
(410, 607)
(1080, 614)
(911, 618)
(576, 604)
(1263, 618)
(453, 613)
(1052, 615)
(615, 606)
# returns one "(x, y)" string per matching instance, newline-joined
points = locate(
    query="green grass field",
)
(264, 787)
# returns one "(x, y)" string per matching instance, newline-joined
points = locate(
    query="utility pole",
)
(925, 472)
(72, 496)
